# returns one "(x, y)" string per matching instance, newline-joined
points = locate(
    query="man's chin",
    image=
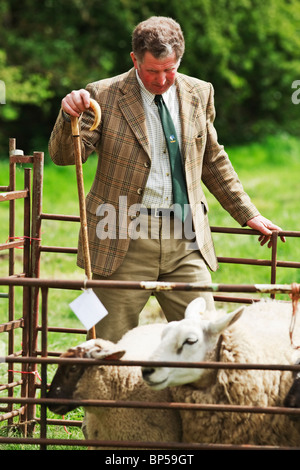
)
(157, 90)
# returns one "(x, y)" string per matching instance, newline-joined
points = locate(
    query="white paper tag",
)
(88, 308)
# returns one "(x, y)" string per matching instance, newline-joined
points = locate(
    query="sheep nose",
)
(146, 372)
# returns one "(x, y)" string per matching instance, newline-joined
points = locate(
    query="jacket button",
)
(147, 164)
(140, 191)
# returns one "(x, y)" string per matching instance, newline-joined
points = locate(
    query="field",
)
(270, 174)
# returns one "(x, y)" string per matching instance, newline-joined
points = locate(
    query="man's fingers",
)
(263, 239)
(69, 109)
(76, 102)
(266, 228)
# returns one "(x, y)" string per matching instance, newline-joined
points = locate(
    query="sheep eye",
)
(191, 341)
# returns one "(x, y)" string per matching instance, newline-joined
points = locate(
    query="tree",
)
(248, 50)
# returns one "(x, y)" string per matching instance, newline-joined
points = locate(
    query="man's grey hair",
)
(159, 35)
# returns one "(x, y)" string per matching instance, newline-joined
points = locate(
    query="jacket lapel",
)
(189, 105)
(132, 108)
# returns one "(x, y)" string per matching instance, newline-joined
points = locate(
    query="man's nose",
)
(161, 78)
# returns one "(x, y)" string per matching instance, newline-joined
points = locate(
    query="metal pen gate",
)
(34, 319)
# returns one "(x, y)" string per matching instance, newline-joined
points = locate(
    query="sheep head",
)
(67, 376)
(192, 339)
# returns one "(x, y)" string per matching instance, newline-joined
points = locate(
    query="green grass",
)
(270, 174)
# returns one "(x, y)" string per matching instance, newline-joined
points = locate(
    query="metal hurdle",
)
(22, 241)
(35, 297)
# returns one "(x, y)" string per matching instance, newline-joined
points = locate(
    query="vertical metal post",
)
(274, 259)
(38, 164)
(37, 195)
(26, 290)
(44, 345)
(11, 269)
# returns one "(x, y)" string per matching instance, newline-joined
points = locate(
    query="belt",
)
(157, 211)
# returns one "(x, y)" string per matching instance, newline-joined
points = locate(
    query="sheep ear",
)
(106, 354)
(115, 355)
(225, 321)
(195, 308)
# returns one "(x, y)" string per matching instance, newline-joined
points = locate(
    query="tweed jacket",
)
(124, 161)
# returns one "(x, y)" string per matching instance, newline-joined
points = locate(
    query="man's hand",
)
(76, 102)
(265, 227)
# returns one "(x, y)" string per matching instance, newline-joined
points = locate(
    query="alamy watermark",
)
(2, 92)
(296, 95)
(132, 222)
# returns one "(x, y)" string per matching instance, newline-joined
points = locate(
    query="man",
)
(128, 240)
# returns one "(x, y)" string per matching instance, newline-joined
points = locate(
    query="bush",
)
(247, 49)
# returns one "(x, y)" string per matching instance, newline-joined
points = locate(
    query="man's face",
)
(157, 75)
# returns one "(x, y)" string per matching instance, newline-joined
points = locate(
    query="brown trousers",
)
(160, 253)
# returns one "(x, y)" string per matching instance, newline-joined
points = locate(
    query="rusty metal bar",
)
(11, 325)
(238, 300)
(12, 195)
(26, 292)
(59, 329)
(57, 249)
(38, 172)
(37, 196)
(11, 385)
(146, 285)
(21, 159)
(61, 422)
(66, 218)
(250, 261)
(258, 262)
(274, 259)
(249, 231)
(44, 341)
(12, 414)
(189, 365)
(11, 245)
(138, 445)
(11, 266)
(158, 405)
(221, 259)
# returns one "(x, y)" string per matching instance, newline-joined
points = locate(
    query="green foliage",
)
(21, 89)
(248, 49)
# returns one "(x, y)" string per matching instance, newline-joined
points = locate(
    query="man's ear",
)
(134, 60)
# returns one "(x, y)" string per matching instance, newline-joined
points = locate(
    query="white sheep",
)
(112, 382)
(257, 334)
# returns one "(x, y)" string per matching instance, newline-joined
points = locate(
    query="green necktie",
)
(178, 179)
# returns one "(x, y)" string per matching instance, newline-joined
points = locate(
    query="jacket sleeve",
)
(61, 147)
(219, 176)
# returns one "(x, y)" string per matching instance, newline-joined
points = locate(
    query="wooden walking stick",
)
(80, 185)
